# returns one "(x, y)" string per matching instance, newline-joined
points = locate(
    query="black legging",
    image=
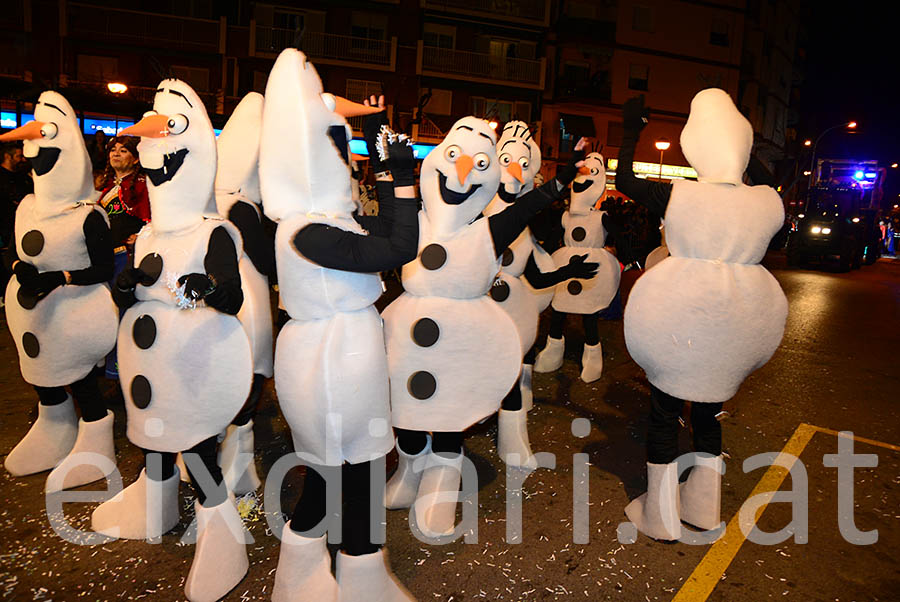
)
(662, 432)
(590, 321)
(356, 517)
(86, 394)
(206, 450)
(248, 412)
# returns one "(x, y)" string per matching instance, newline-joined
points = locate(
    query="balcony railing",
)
(474, 66)
(141, 28)
(328, 46)
(530, 11)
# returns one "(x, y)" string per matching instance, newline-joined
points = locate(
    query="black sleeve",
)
(759, 173)
(652, 195)
(509, 223)
(538, 279)
(341, 250)
(221, 263)
(380, 225)
(258, 246)
(124, 299)
(100, 250)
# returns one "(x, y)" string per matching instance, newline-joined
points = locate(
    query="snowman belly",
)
(185, 374)
(520, 304)
(331, 380)
(256, 316)
(698, 328)
(62, 337)
(451, 361)
(577, 296)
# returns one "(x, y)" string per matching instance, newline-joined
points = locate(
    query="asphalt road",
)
(837, 369)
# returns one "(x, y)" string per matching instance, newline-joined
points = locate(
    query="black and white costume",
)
(184, 358)
(584, 233)
(330, 365)
(707, 316)
(58, 305)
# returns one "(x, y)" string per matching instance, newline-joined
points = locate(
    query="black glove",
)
(634, 114)
(371, 128)
(26, 274)
(39, 284)
(196, 286)
(397, 153)
(578, 268)
(130, 278)
(568, 173)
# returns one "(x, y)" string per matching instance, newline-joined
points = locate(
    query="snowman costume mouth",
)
(45, 159)
(172, 162)
(581, 186)
(507, 197)
(451, 197)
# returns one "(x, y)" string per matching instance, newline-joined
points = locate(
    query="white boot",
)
(512, 439)
(701, 494)
(47, 442)
(369, 578)
(550, 358)
(304, 570)
(220, 558)
(438, 494)
(591, 363)
(655, 513)
(94, 438)
(402, 487)
(236, 459)
(131, 515)
(182, 469)
(525, 387)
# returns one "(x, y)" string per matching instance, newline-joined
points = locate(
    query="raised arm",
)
(653, 195)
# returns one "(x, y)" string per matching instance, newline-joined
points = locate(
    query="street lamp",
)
(812, 166)
(807, 143)
(662, 145)
(894, 165)
(116, 87)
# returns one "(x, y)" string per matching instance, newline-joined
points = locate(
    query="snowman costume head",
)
(178, 154)
(590, 184)
(53, 135)
(460, 176)
(717, 139)
(305, 154)
(237, 176)
(520, 160)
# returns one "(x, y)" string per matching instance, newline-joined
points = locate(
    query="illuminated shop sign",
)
(652, 169)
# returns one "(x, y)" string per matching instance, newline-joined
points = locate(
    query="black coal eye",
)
(177, 124)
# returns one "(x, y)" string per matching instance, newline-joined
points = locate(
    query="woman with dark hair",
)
(123, 195)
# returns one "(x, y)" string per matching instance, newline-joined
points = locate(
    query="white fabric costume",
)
(453, 353)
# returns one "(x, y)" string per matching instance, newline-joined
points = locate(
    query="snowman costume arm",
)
(221, 263)
(258, 246)
(652, 195)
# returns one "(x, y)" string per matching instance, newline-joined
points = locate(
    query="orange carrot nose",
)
(29, 131)
(515, 170)
(348, 108)
(584, 171)
(464, 165)
(151, 126)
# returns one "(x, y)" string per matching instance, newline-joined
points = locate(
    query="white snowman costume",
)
(62, 336)
(452, 352)
(185, 372)
(237, 189)
(330, 360)
(707, 316)
(583, 234)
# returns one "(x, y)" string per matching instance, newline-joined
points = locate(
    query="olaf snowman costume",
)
(524, 287)
(584, 232)
(58, 305)
(238, 198)
(330, 362)
(184, 358)
(706, 317)
(452, 352)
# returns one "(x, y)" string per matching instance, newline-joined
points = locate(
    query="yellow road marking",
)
(707, 574)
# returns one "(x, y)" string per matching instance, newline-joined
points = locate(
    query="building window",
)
(97, 68)
(440, 103)
(614, 132)
(196, 77)
(501, 110)
(439, 36)
(718, 34)
(369, 26)
(288, 21)
(638, 76)
(642, 19)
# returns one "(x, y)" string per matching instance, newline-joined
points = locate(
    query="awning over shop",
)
(578, 125)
